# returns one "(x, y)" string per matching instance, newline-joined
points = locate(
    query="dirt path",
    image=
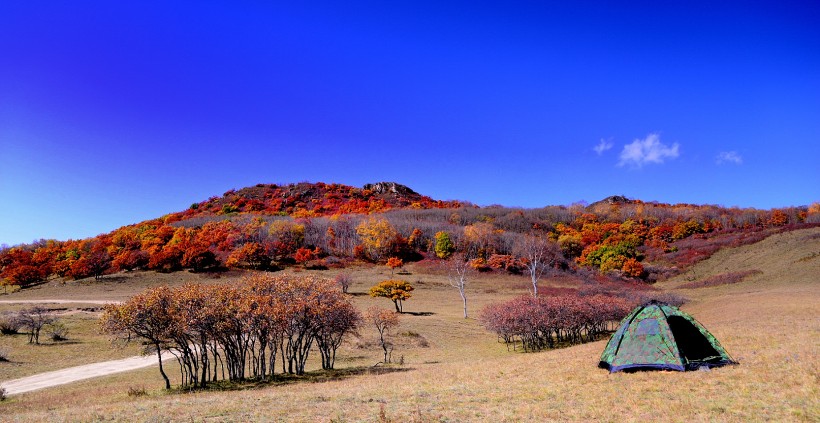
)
(73, 374)
(58, 301)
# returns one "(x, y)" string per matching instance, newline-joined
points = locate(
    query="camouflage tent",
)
(660, 336)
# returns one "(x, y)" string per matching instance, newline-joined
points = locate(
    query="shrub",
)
(136, 392)
(632, 268)
(34, 319)
(9, 325)
(542, 322)
(4, 354)
(2, 393)
(57, 332)
(343, 280)
(334, 262)
(506, 262)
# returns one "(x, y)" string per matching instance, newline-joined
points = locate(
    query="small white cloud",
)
(647, 150)
(729, 157)
(602, 146)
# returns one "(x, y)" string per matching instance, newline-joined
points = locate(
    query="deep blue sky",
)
(116, 112)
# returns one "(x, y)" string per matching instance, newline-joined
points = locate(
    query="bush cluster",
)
(543, 322)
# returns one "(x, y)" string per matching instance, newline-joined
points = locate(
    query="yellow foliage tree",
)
(376, 233)
(394, 289)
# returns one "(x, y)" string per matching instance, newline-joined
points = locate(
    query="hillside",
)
(313, 200)
(456, 371)
(271, 227)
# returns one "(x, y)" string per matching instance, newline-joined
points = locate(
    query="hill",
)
(269, 227)
(313, 200)
(454, 370)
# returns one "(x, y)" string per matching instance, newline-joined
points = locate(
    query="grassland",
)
(456, 371)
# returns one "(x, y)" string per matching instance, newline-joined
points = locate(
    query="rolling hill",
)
(269, 226)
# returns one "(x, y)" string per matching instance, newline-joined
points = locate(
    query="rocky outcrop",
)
(390, 188)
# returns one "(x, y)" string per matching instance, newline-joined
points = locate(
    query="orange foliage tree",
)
(632, 268)
(393, 263)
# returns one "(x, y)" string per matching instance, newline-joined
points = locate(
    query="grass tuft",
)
(136, 392)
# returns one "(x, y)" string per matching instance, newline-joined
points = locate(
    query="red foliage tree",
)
(304, 255)
(252, 255)
(633, 268)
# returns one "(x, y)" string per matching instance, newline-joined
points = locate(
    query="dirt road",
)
(73, 374)
(57, 301)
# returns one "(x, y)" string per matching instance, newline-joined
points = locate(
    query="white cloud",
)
(602, 146)
(648, 150)
(729, 157)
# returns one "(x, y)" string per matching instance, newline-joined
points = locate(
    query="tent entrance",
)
(693, 346)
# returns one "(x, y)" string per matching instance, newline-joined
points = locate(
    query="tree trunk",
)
(161, 370)
(534, 286)
(464, 298)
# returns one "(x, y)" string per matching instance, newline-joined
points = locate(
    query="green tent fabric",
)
(657, 335)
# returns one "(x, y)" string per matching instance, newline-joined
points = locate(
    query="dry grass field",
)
(454, 370)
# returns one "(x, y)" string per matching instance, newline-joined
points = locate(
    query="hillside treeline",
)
(614, 237)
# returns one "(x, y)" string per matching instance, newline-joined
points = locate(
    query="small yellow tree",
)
(394, 289)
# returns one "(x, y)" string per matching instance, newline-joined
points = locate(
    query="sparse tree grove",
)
(238, 332)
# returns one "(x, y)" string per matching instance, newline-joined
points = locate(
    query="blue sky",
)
(116, 112)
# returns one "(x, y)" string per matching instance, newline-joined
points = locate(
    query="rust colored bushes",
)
(234, 332)
(544, 322)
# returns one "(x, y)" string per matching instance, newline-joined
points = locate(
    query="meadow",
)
(452, 369)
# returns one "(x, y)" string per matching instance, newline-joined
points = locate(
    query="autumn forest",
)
(317, 225)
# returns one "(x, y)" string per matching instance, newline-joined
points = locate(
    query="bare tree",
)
(383, 320)
(344, 280)
(458, 274)
(34, 319)
(539, 253)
